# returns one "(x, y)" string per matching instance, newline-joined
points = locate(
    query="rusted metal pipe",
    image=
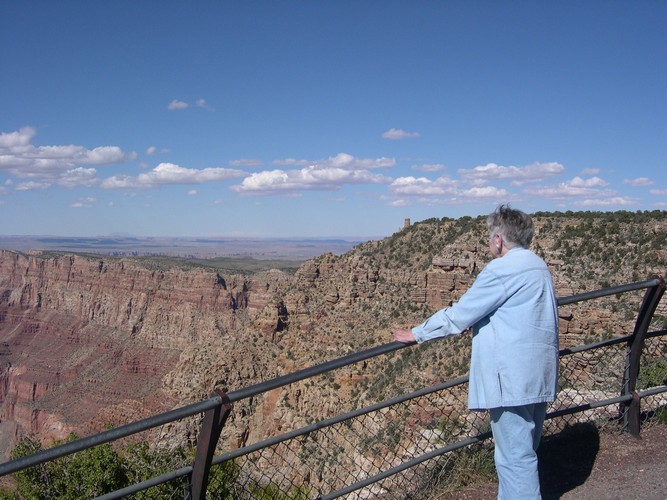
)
(214, 421)
(635, 347)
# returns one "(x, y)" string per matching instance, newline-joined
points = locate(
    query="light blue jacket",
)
(514, 314)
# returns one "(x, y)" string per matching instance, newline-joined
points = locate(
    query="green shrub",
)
(653, 372)
(95, 471)
(86, 474)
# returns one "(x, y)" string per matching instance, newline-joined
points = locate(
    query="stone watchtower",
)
(406, 223)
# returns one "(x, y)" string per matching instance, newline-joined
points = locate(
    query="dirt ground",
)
(587, 464)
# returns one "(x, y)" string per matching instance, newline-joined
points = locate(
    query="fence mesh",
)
(333, 457)
(653, 373)
(356, 449)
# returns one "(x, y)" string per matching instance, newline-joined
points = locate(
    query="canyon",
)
(91, 341)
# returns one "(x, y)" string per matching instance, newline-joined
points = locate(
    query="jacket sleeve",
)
(485, 295)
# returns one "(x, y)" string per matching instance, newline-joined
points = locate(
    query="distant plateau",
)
(204, 247)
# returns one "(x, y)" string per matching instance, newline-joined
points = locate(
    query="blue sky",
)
(324, 118)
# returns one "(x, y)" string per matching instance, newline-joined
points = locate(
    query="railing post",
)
(214, 421)
(631, 418)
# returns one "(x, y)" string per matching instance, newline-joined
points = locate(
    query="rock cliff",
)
(87, 342)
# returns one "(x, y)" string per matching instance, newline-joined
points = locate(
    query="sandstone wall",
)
(87, 342)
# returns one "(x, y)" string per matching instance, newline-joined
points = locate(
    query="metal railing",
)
(399, 444)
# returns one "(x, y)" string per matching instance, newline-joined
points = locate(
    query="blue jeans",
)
(517, 431)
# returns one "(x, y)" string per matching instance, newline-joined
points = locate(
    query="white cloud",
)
(349, 162)
(639, 181)
(609, 202)
(429, 168)
(587, 183)
(307, 179)
(520, 175)
(192, 192)
(84, 203)
(398, 134)
(79, 177)
(31, 186)
(121, 182)
(169, 173)
(329, 174)
(18, 141)
(291, 182)
(105, 155)
(658, 192)
(245, 162)
(341, 160)
(177, 105)
(153, 150)
(485, 192)
(53, 164)
(575, 188)
(421, 186)
(201, 103)
(399, 203)
(292, 162)
(444, 190)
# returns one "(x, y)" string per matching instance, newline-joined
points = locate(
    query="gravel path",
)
(627, 468)
(586, 464)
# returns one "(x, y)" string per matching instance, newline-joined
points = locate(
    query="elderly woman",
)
(514, 363)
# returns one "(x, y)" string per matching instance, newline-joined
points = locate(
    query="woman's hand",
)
(404, 336)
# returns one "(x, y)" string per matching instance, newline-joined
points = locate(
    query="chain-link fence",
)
(653, 375)
(354, 448)
(434, 425)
